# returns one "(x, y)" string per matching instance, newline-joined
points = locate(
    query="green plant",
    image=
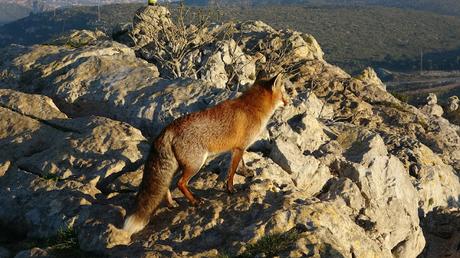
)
(270, 245)
(51, 176)
(401, 96)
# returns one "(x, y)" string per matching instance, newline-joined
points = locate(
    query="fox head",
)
(275, 86)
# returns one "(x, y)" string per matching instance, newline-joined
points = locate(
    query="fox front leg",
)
(237, 154)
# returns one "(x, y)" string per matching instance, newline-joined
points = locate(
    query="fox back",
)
(233, 123)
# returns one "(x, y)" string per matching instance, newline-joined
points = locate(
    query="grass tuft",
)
(268, 246)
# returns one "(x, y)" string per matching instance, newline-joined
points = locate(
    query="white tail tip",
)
(133, 224)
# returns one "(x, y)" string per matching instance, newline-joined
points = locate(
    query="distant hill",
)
(450, 7)
(352, 37)
(62, 3)
(41, 27)
(359, 36)
(10, 12)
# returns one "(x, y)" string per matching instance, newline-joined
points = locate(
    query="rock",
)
(78, 145)
(453, 103)
(79, 38)
(4, 253)
(444, 139)
(120, 33)
(96, 233)
(228, 64)
(290, 158)
(100, 80)
(313, 134)
(432, 108)
(437, 184)
(453, 112)
(34, 252)
(298, 124)
(41, 207)
(305, 171)
(128, 181)
(391, 192)
(369, 76)
(35, 106)
(441, 228)
(432, 99)
(214, 70)
(54, 166)
(316, 107)
(147, 22)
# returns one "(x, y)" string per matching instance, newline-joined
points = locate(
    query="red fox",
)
(185, 144)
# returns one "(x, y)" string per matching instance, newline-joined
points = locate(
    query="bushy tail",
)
(158, 173)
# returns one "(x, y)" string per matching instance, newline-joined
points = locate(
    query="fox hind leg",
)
(188, 171)
(169, 200)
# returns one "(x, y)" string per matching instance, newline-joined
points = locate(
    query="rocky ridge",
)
(347, 168)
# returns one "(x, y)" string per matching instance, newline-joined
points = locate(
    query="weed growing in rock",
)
(269, 246)
(50, 176)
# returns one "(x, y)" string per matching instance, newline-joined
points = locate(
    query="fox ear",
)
(265, 81)
(261, 76)
(276, 81)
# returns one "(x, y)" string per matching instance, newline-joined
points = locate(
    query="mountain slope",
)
(10, 12)
(353, 37)
(451, 7)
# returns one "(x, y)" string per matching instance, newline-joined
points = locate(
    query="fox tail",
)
(158, 172)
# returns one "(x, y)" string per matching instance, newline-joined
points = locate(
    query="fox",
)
(184, 145)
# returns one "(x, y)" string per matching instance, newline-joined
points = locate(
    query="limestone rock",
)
(453, 103)
(107, 81)
(54, 166)
(227, 65)
(290, 157)
(96, 229)
(370, 76)
(34, 252)
(432, 99)
(79, 38)
(147, 23)
(4, 253)
(77, 147)
(438, 184)
(391, 192)
(305, 171)
(432, 108)
(441, 227)
(36, 106)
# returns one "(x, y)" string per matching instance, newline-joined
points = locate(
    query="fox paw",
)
(172, 205)
(198, 201)
(231, 190)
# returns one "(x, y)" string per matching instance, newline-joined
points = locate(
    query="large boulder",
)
(106, 79)
(442, 230)
(53, 170)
